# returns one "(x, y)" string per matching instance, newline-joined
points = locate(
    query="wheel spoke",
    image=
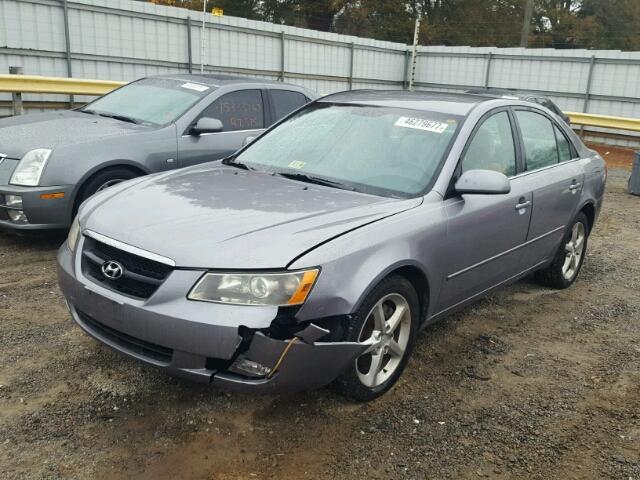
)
(395, 350)
(567, 265)
(396, 318)
(379, 317)
(574, 234)
(374, 369)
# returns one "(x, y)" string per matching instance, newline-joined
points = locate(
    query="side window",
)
(539, 139)
(241, 110)
(564, 150)
(285, 102)
(492, 147)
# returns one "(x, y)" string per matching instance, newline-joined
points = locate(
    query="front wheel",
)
(387, 322)
(567, 262)
(103, 180)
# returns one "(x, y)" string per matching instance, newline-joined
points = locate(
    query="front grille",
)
(133, 344)
(141, 276)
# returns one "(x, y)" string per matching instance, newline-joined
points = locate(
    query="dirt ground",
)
(529, 383)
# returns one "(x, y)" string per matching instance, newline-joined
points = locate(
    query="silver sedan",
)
(318, 252)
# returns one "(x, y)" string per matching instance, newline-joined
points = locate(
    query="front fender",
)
(353, 264)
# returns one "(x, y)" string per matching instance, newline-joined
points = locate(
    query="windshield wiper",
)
(232, 162)
(123, 118)
(303, 177)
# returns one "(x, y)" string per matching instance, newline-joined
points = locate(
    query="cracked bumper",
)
(198, 340)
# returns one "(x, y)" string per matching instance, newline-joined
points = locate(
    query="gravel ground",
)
(529, 383)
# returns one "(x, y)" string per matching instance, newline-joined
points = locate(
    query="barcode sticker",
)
(421, 124)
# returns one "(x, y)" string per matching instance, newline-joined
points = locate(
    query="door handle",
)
(574, 186)
(522, 204)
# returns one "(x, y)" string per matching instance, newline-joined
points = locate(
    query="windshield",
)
(154, 101)
(378, 150)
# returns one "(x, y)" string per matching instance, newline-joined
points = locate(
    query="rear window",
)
(285, 102)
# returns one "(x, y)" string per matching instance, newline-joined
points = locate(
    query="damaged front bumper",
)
(229, 346)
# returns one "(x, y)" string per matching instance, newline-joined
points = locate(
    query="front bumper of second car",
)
(43, 207)
(202, 341)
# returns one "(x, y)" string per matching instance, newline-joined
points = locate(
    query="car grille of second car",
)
(141, 276)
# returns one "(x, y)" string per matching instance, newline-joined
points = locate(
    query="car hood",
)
(217, 216)
(22, 133)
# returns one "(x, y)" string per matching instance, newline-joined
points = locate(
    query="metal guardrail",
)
(69, 86)
(19, 84)
(604, 121)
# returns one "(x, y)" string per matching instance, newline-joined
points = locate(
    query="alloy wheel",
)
(386, 330)
(574, 250)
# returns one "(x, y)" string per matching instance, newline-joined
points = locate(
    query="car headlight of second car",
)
(74, 235)
(30, 168)
(272, 289)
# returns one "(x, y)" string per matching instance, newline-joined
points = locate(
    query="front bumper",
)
(52, 213)
(198, 340)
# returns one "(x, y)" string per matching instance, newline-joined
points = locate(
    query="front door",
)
(485, 232)
(242, 115)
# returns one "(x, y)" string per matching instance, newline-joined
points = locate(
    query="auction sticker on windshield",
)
(421, 124)
(195, 86)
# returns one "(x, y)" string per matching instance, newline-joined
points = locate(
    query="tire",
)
(567, 262)
(358, 382)
(104, 179)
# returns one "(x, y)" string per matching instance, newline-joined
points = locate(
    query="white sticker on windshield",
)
(195, 86)
(298, 164)
(421, 124)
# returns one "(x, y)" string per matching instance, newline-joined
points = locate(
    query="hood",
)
(22, 133)
(223, 217)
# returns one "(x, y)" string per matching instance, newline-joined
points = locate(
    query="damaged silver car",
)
(317, 253)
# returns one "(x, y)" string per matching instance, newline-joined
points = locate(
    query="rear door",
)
(283, 102)
(485, 232)
(242, 113)
(555, 178)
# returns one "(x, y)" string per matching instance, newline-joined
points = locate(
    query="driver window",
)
(239, 110)
(492, 147)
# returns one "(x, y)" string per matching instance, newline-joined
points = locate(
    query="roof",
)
(502, 92)
(452, 103)
(216, 80)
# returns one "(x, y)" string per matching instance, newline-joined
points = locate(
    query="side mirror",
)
(248, 140)
(206, 125)
(485, 182)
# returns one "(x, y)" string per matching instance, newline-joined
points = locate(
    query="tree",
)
(556, 23)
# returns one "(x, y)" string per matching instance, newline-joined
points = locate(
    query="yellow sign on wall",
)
(218, 12)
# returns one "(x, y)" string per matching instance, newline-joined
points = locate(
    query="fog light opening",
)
(13, 201)
(18, 216)
(249, 368)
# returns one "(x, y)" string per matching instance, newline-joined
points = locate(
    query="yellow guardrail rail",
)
(69, 86)
(604, 121)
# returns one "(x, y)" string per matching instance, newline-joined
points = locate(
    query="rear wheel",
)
(567, 262)
(387, 322)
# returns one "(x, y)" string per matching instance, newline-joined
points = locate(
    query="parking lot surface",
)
(529, 383)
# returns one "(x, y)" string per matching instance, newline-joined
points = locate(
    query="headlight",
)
(74, 235)
(274, 289)
(29, 170)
